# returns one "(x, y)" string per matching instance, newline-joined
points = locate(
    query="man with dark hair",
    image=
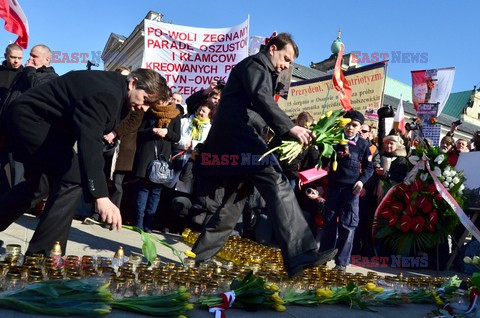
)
(344, 186)
(251, 86)
(45, 123)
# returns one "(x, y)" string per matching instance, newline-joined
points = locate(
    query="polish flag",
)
(399, 119)
(15, 21)
(340, 82)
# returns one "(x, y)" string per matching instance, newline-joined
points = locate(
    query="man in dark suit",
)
(232, 150)
(43, 126)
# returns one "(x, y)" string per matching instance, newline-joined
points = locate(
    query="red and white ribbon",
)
(464, 219)
(227, 301)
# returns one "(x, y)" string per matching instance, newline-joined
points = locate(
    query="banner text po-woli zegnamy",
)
(191, 58)
(318, 95)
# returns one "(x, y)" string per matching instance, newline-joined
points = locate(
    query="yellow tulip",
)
(378, 289)
(279, 307)
(190, 254)
(370, 286)
(476, 260)
(322, 117)
(467, 260)
(329, 113)
(185, 233)
(189, 306)
(334, 165)
(342, 122)
(324, 292)
(343, 142)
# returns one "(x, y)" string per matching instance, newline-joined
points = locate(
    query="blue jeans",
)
(340, 203)
(146, 203)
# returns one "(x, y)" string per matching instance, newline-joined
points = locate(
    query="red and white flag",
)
(399, 119)
(340, 82)
(15, 21)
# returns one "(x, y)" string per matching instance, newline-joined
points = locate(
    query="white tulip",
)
(451, 185)
(413, 159)
(460, 191)
(448, 168)
(421, 165)
(437, 171)
(424, 176)
(461, 187)
(453, 173)
(448, 179)
(446, 173)
(455, 180)
(439, 159)
(467, 260)
(445, 184)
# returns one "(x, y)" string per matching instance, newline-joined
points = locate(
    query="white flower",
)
(461, 187)
(421, 165)
(445, 184)
(453, 173)
(448, 168)
(437, 171)
(424, 176)
(460, 191)
(413, 159)
(448, 179)
(441, 178)
(439, 159)
(455, 180)
(451, 185)
(446, 173)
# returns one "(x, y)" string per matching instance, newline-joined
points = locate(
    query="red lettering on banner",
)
(208, 79)
(208, 58)
(225, 37)
(155, 31)
(182, 36)
(170, 67)
(228, 68)
(176, 78)
(186, 90)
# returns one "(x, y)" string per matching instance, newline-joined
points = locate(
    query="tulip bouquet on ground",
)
(413, 216)
(328, 132)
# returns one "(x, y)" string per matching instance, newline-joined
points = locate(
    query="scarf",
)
(197, 127)
(164, 113)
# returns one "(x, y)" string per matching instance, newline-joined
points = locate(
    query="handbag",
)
(160, 169)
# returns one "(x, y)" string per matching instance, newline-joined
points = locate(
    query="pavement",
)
(97, 241)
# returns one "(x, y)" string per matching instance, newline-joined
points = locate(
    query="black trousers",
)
(290, 228)
(118, 184)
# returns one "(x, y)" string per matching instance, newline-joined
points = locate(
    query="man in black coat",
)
(233, 148)
(43, 126)
(8, 70)
(37, 71)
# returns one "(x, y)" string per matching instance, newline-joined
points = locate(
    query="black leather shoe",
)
(298, 264)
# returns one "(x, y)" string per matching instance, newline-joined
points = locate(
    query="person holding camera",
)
(212, 93)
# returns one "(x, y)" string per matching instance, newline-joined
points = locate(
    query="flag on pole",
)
(432, 86)
(340, 82)
(399, 119)
(15, 21)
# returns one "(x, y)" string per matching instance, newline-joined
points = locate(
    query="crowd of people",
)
(92, 135)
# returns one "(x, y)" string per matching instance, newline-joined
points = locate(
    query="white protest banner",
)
(191, 58)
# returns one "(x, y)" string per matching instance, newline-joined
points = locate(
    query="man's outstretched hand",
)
(109, 213)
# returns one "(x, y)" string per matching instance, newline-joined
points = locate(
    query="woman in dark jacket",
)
(161, 129)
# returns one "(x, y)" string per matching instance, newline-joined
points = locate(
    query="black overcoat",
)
(250, 86)
(46, 121)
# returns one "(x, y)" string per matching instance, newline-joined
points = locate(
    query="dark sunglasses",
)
(365, 131)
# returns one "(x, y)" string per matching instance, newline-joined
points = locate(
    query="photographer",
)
(212, 94)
